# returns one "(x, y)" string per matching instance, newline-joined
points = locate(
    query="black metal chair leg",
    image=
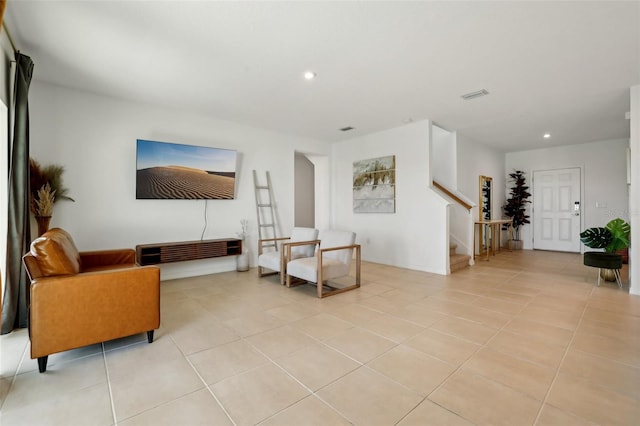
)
(150, 336)
(42, 363)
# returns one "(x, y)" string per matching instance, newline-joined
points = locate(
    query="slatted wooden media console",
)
(152, 254)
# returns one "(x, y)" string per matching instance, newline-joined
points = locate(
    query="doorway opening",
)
(304, 190)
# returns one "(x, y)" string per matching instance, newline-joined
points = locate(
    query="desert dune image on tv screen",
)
(173, 171)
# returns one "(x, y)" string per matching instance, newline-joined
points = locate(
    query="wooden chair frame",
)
(284, 254)
(319, 256)
(261, 269)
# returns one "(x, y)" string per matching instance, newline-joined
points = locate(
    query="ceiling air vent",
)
(346, 129)
(473, 95)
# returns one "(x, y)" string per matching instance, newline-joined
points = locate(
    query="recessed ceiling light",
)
(309, 75)
(546, 135)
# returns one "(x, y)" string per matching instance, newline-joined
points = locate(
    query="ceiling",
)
(558, 67)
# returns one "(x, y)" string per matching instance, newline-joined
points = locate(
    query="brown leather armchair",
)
(78, 299)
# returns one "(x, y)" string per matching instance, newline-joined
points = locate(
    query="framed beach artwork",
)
(374, 185)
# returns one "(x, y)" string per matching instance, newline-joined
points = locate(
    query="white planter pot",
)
(242, 261)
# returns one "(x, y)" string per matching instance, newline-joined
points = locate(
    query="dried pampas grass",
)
(44, 200)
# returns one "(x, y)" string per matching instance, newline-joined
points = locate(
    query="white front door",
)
(556, 210)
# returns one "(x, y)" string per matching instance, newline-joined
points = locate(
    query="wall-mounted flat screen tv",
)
(171, 171)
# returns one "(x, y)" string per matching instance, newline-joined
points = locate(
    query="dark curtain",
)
(15, 298)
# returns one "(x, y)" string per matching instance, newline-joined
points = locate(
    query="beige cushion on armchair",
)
(275, 260)
(332, 261)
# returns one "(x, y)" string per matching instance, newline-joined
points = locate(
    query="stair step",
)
(458, 262)
(452, 249)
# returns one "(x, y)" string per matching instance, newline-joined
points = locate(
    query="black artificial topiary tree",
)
(515, 207)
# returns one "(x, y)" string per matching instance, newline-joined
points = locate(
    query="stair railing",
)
(463, 232)
(453, 196)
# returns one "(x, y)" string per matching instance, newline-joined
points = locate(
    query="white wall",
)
(604, 178)
(475, 159)
(322, 190)
(443, 154)
(444, 166)
(415, 236)
(94, 138)
(634, 193)
(4, 193)
(6, 56)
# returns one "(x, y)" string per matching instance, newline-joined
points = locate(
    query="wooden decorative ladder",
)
(264, 210)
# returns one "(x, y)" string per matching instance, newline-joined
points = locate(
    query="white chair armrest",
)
(299, 243)
(269, 240)
(352, 246)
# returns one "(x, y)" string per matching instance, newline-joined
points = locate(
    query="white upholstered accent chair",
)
(331, 262)
(275, 260)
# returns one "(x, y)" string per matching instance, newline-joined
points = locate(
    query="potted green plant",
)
(515, 206)
(613, 237)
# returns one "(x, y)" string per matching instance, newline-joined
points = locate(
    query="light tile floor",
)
(525, 338)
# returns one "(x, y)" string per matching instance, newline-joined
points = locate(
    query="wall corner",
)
(634, 191)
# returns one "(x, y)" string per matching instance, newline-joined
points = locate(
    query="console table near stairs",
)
(492, 235)
(153, 254)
